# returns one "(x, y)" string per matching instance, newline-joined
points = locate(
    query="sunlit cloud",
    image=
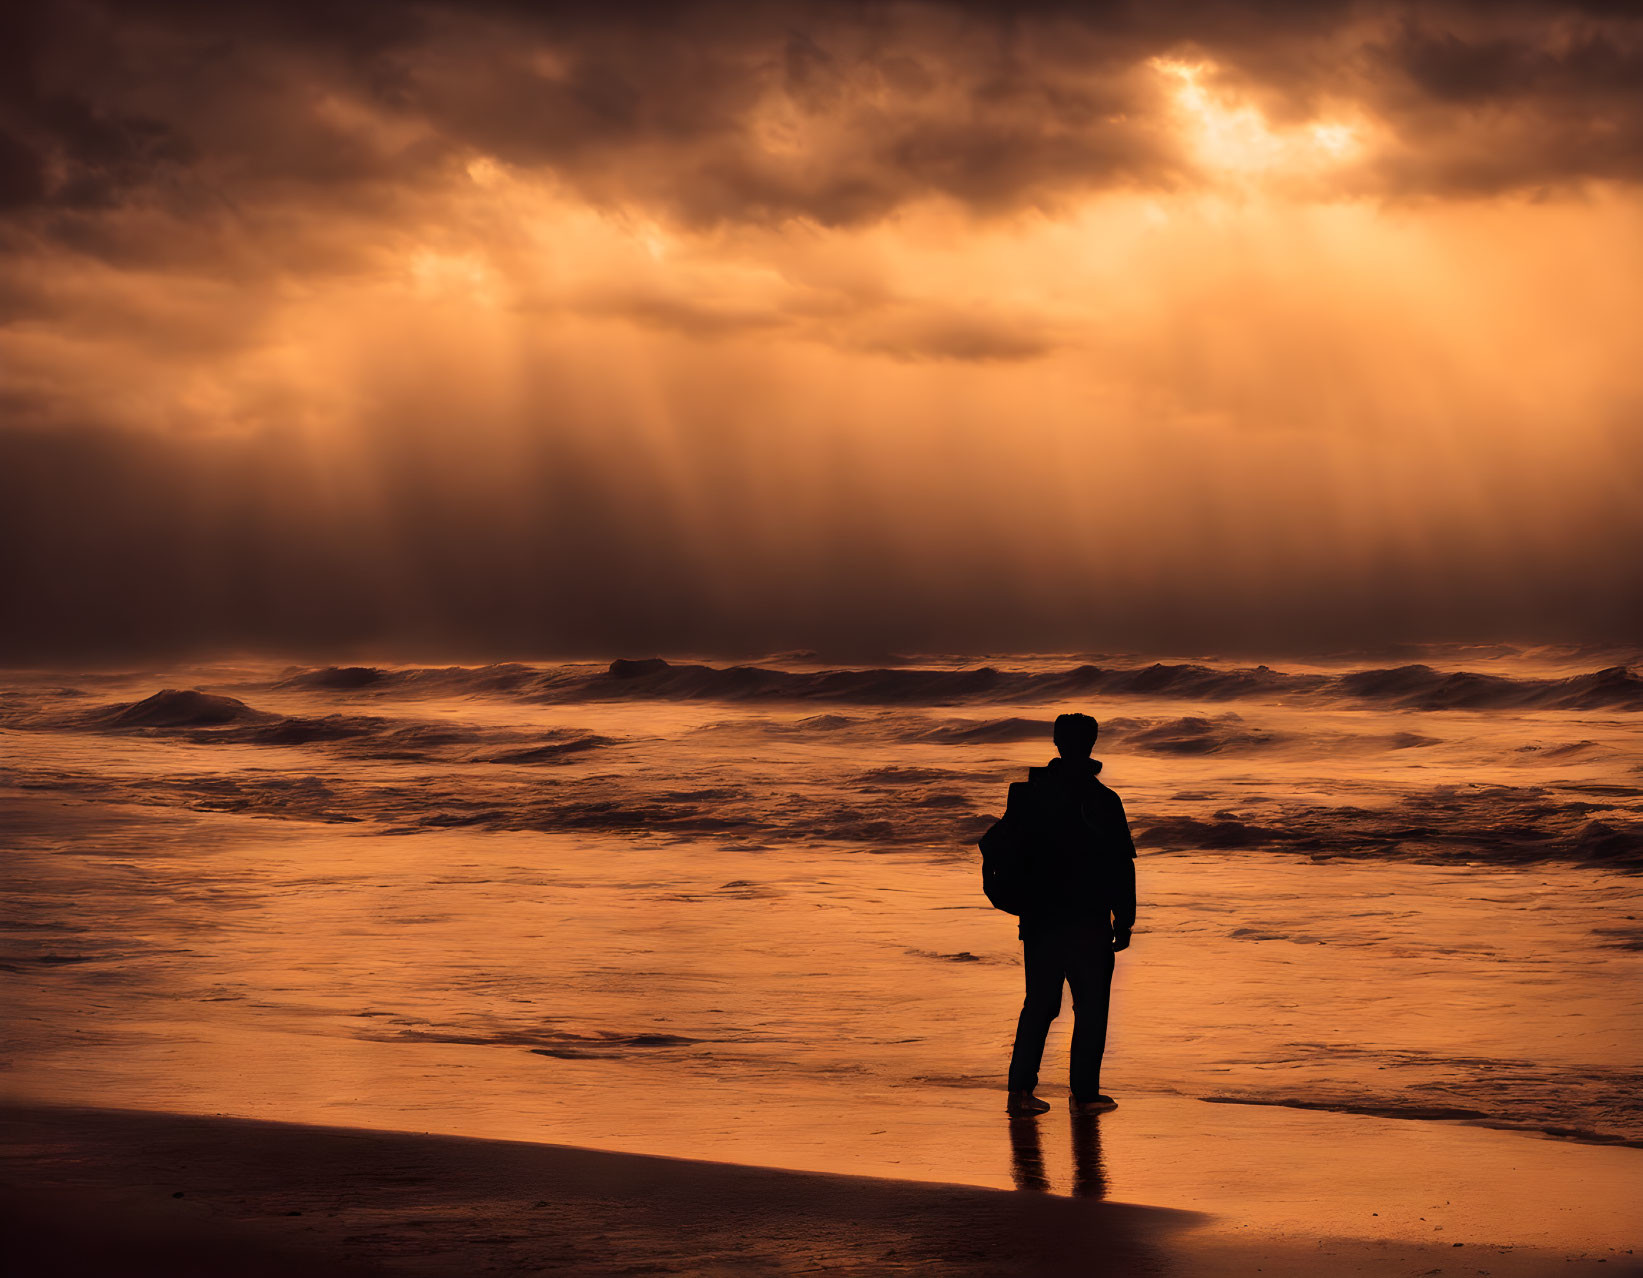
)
(1231, 136)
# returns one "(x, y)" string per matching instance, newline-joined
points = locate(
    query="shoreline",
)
(179, 1194)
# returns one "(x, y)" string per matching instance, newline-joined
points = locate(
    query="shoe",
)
(1100, 1105)
(1025, 1105)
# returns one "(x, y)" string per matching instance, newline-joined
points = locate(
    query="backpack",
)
(1004, 856)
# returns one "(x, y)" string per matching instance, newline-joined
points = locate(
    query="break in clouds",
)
(498, 328)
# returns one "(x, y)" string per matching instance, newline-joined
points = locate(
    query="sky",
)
(501, 330)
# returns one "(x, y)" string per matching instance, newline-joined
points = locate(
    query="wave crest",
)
(655, 678)
(180, 708)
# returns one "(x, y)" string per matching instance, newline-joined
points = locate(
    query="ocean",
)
(733, 911)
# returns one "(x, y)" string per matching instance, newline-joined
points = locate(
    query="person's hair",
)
(1075, 735)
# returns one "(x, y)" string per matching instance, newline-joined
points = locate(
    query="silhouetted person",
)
(1078, 910)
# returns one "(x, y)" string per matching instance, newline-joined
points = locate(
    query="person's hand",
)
(1120, 939)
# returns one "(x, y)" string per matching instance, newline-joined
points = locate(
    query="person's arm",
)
(1122, 854)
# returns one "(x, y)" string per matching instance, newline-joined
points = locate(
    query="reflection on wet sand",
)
(1027, 1156)
(1027, 1166)
(1089, 1170)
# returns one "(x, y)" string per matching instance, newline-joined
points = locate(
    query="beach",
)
(90, 1191)
(696, 922)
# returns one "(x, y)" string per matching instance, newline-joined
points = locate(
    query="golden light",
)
(1236, 138)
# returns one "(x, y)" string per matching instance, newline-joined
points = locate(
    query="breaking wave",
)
(1191, 735)
(1422, 687)
(1500, 825)
(179, 708)
(1411, 686)
(205, 718)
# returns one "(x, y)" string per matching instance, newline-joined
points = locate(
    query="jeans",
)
(1079, 955)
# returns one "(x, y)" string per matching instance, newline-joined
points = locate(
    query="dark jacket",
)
(1080, 854)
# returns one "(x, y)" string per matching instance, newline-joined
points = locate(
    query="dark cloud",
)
(855, 317)
(1476, 111)
(839, 114)
(673, 313)
(901, 330)
(975, 337)
(22, 174)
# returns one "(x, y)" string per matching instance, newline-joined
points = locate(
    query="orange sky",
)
(700, 327)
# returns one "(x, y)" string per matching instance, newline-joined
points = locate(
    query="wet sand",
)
(91, 1191)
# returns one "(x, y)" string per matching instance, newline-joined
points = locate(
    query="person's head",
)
(1075, 735)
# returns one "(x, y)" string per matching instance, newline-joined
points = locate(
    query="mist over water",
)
(1409, 890)
(847, 533)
